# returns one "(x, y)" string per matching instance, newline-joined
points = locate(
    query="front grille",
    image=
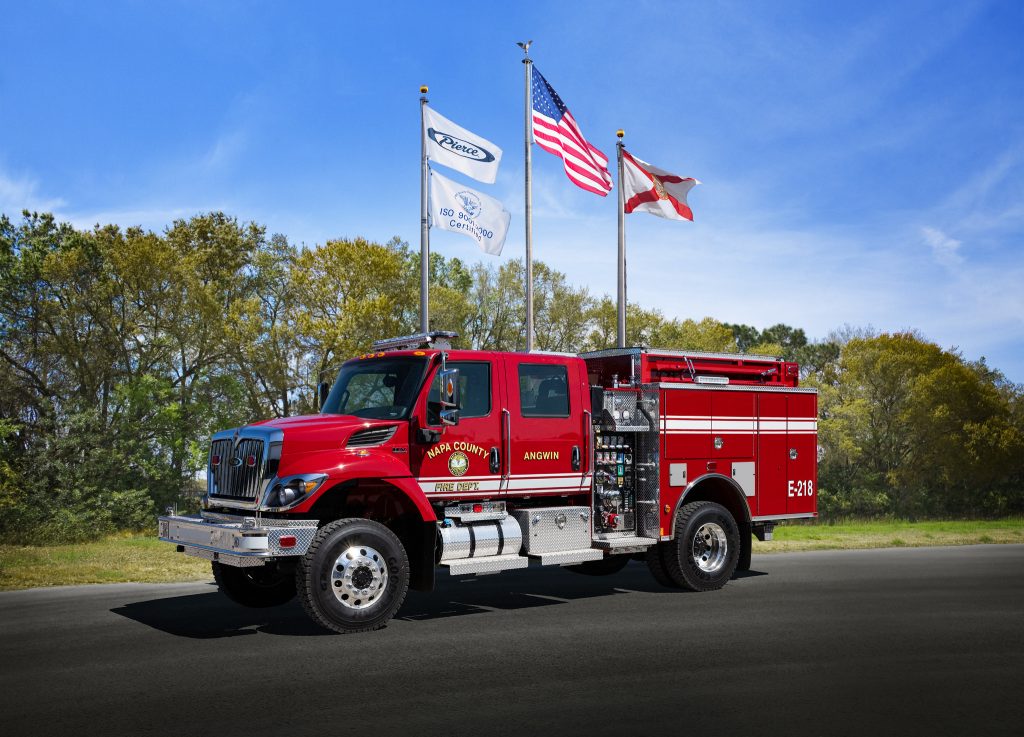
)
(372, 436)
(233, 477)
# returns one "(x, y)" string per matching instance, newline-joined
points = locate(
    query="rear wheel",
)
(259, 586)
(354, 576)
(706, 548)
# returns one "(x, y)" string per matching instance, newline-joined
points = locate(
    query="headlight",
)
(292, 489)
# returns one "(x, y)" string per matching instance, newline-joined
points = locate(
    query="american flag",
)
(556, 131)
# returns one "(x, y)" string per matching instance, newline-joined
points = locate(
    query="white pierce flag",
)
(463, 210)
(454, 146)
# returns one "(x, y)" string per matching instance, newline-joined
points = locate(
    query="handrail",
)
(506, 432)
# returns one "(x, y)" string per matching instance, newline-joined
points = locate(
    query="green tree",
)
(910, 429)
(350, 292)
(261, 333)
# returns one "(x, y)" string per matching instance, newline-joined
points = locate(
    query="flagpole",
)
(527, 64)
(424, 223)
(621, 327)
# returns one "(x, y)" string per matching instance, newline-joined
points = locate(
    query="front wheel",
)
(706, 548)
(258, 587)
(354, 576)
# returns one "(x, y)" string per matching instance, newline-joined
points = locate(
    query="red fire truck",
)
(426, 459)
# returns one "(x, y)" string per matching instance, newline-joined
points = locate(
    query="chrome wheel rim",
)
(359, 577)
(709, 547)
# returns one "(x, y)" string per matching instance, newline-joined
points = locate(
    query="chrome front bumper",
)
(237, 540)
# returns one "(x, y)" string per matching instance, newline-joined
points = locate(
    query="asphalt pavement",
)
(910, 641)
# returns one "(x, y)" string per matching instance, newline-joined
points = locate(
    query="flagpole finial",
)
(525, 46)
(423, 89)
(620, 133)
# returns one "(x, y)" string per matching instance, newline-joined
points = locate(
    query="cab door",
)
(545, 425)
(466, 460)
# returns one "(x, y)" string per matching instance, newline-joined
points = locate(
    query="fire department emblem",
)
(458, 463)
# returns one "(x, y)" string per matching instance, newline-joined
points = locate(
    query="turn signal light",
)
(250, 461)
(214, 460)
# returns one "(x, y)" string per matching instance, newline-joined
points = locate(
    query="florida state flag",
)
(647, 188)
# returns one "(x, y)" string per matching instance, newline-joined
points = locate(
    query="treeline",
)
(121, 351)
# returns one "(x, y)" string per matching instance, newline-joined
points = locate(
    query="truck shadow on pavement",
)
(211, 615)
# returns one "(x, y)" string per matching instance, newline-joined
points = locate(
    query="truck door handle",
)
(575, 458)
(495, 460)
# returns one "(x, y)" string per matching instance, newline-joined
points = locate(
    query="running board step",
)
(568, 557)
(490, 564)
(612, 543)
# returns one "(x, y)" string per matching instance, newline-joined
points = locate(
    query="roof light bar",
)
(440, 339)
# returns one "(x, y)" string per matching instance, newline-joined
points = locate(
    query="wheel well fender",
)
(403, 492)
(715, 487)
(398, 503)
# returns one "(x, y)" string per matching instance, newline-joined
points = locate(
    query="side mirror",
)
(449, 379)
(449, 396)
(322, 390)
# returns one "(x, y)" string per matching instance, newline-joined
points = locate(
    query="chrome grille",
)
(371, 436)
(233, 477)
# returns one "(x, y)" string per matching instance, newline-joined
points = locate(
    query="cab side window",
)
(543, 390)
(474, 391)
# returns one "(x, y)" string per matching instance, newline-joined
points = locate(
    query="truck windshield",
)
(376, 389)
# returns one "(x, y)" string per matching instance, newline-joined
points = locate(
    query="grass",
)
(117, 559)
(143, 559)
(891, 534)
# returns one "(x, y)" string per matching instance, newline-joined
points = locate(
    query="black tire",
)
(655, 557)
(706, 548)
(257, 587)
(354, 576)
(607, 566)
(746, 549)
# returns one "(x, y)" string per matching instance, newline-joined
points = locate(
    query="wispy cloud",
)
(22, 193)
(224, 151)
(946, 250)
(154, 218)
(992, 198)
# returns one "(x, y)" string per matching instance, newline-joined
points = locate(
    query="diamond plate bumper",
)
(237, 541)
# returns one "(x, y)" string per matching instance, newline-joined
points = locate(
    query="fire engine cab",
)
(426, 459)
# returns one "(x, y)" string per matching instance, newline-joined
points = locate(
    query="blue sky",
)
(862, 163)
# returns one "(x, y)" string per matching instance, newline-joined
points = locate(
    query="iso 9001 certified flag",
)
(463, 210)
(454, 146)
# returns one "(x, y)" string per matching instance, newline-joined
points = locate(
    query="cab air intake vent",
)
(370, 437)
